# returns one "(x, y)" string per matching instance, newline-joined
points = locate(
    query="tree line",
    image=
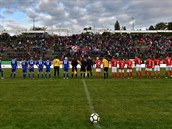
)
(158, 26)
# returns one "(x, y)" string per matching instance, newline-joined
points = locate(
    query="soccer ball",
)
(94, 118)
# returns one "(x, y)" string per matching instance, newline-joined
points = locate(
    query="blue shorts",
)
(31, 69)
(65, 69)
(40, 69)
(24, 70)
(13, 70)
(47, 70)
(1, 70)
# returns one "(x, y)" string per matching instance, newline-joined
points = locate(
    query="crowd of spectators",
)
(88, 44)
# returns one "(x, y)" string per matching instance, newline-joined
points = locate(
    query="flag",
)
(75, 48)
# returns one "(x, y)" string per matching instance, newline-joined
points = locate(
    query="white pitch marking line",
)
(90, 102)
(88, 97)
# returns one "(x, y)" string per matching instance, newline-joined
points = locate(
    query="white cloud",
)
(79, 13)
(1, 28)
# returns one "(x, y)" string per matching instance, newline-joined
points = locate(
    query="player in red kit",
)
(137, 61)
(121, 68)
(98, 68)
(167, 61)
(149, 66)
(171, 68)
(114, 67)
(129, 64)
(156, 67)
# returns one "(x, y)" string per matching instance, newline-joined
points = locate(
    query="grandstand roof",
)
(65, 32)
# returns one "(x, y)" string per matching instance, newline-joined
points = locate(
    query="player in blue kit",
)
(31, 64)
(65, 67)
(40, 65)
(13, 68)
(48, 65)
(2, 73)
(24, 65)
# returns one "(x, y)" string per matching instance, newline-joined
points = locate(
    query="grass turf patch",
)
(62, 104)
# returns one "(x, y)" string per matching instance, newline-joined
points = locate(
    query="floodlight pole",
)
(132, 23)
(33, 23)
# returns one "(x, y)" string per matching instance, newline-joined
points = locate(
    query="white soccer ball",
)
(94, 118)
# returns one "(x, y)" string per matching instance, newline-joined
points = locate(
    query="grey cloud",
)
(13, 25)
(99, 13)
(9, 11)
(17, 4)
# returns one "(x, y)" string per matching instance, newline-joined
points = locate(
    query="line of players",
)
(118, 67)
(28, 66)
(87, 65)
(149, 65)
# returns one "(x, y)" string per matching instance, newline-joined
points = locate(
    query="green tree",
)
(161, 26)
(117, 26)
(151, 28)
(169, 26)
(123, 28)
(39, 28)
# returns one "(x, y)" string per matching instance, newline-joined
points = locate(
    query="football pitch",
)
(67, 104)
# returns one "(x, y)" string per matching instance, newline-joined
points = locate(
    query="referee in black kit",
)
(83, 67)
(74, 64)
(89, 67)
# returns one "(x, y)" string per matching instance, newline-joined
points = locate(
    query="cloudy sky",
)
(19, 14)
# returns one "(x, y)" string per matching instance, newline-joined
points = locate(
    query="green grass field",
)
(62, 104)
